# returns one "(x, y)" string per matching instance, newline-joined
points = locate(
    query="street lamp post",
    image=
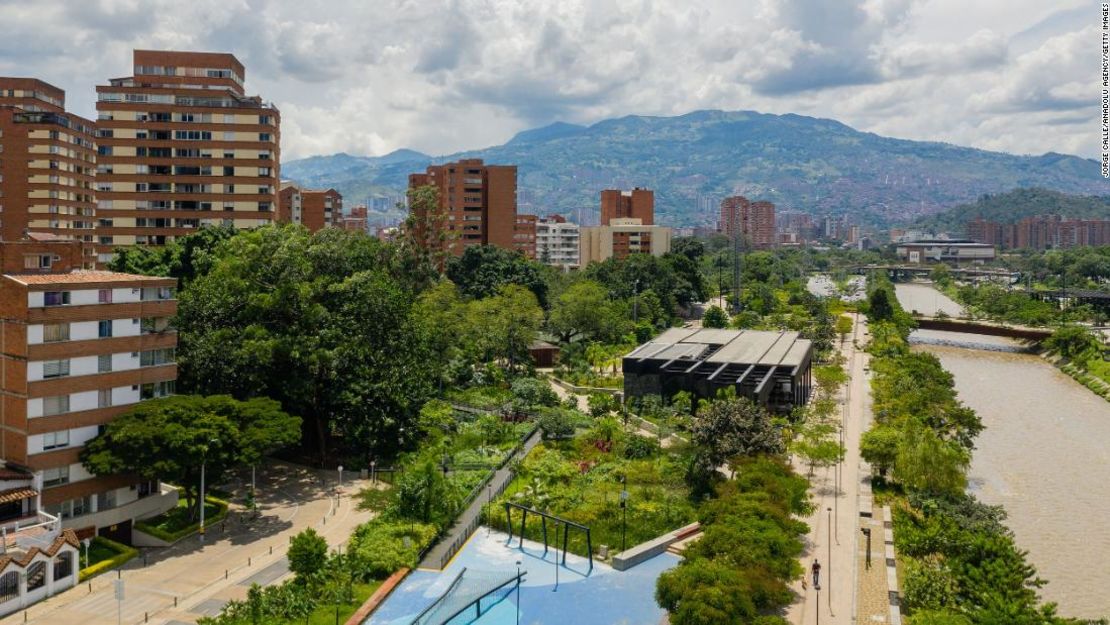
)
(373, 472)
(203, 462)
(85, 542)
(624, 514)
(829, 540)
(636, 301)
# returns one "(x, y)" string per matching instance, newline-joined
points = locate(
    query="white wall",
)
(89, 400)
(82, 297)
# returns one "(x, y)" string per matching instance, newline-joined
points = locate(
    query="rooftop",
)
(750, 347)
(81, 277)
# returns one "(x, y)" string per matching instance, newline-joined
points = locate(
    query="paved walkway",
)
(467, 522)
(835, 535)
(188, 580)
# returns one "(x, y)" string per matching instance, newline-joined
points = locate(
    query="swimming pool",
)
(601, 597)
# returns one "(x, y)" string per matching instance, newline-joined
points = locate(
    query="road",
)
(200, 578)
(834, 524)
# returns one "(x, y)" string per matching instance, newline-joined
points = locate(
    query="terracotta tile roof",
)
(47, 236)
(67, 537)
(81, 277)
(16, 494)
(13, 474)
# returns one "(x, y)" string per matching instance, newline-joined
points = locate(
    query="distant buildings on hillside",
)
(1040, 232)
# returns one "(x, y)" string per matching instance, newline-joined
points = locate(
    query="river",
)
(1043, 456)
(923, 298)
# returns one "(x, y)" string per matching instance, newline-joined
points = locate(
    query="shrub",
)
(530, 392)
(123, 554)
(380, 546)
(637, 447)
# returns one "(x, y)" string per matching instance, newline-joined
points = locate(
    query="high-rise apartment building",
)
(80, 347)
(180, 146)
(1040, 232)
(47, 166)
(477, 206)
(753, 222)
(357, 220)
(635, 204)
(312, 208)
(557, 242)
(524, 235)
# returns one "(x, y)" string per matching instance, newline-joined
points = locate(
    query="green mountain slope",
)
(1016, 205)
(818, 166)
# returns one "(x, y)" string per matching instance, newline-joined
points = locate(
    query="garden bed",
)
(581, 480)
(104, 555)
(175, 524)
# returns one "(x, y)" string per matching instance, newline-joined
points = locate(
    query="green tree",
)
(484, 270)
(585, 310)
(308, 552)
(168, 439)
(879, 306)
(879, 447)
(424, 493)
(928, 464)
(1074, 342)
(320, 322)
(735, 427)
(714, 317)
(185, 258)
(505, 325)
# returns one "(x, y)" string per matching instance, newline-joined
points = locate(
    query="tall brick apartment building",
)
(180, 146)
(77, 348)
(47, 166)
(635, 204)
(754, 222)
(477, 204)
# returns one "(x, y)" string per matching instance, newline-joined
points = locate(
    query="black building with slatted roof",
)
(771, 368)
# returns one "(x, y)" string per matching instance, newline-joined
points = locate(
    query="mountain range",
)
(806, 164)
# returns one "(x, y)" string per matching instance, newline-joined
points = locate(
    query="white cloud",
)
(445, 75)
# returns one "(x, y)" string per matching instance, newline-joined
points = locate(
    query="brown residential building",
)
(47, 166)
(524, 235)
(181, 146)
(1040, 232)
(635, 204)
(477, 206)
(312, 208)
(79, 348)
(357, 220)
(754, 222)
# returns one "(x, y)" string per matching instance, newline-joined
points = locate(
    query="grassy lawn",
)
(325, 614)
(100, 551)
(104, 555)
(175, 523)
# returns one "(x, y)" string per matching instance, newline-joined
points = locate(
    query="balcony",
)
(36, 530)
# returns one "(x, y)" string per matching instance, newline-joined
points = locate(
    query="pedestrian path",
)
(438, 556)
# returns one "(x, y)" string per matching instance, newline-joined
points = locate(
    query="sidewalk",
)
(190, 579)
(835, 537)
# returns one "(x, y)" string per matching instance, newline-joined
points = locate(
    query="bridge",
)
(982, 327)
(906, 272)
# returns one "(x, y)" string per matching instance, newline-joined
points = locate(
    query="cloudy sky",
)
(371, 76)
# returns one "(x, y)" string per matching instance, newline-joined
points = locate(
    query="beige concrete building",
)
(621, 237)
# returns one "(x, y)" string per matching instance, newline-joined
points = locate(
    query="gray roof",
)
(748, 347)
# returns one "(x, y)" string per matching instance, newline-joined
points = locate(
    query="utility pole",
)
(736, 248)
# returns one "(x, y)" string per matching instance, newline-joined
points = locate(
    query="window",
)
(55, 440)
(104, 398)
(263, 136)
(55, 368)
(55, 405)
(107, 500)
(55, 298)
(54, 332)
(104, 296)
(103, 363)
(37, 261)
(55, 476)
(104, 329)
(9, 586)
(155, 357)
(63, 566)
(152, 390)
(36, 576)
(150, 293)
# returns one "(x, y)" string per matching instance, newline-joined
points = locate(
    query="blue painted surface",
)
(604, 597)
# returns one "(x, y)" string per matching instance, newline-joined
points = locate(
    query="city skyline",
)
(353, 77)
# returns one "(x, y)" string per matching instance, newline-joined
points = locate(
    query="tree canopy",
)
(168, 439)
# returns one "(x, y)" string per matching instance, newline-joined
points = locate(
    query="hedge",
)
(172, 537)
(125, 554)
